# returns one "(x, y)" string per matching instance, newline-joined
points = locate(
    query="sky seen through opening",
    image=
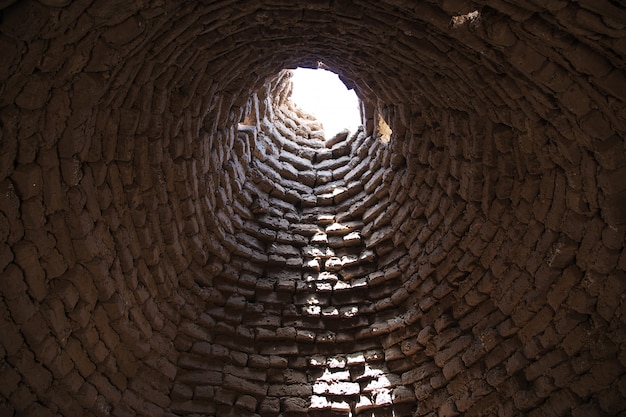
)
(322, 94)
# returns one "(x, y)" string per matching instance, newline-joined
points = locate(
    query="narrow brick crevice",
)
(179, 240)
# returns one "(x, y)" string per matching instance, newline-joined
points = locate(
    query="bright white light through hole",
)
(322, 94)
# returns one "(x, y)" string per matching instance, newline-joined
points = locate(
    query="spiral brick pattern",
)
(179, 240)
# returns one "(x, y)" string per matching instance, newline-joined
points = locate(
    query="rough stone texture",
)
(178, 240)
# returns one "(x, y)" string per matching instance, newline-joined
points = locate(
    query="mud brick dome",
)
(179, 239)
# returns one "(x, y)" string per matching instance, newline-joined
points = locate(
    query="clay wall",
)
(179, 240)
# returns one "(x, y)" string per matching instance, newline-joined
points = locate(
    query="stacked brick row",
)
(177, 240)
(307, 304)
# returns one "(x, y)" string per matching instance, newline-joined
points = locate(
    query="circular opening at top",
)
(322, 94)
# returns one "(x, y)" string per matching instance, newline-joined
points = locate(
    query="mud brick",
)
(452, 349)
(79, 356)
(242, 385)
(66, 292)
(479, 314)
(53, 264)
(581, 301)
(576, 339)
(548, 339)
(6, 255)
(9, 382)
(27, 257)
(22, 397)
(554, 77)
(146, 278)
(587, 61)
(536, 325)
(63, 239)
(35, 375)
(47, 351)
(559, 401)
(54, 312)
(193, 407)
(27, 180)
(501, 352)
(131, 337)
(270, 406)
(98, 245)
(62, 365)
(12, 339)
(246, 373)
(12, 282)
(605, 260)
(51, 186)
(139, 319)
(104, 387)
(115, 307)
(182, 392)
(102, 321)
(98, 273)
(453, 368)
(35, 330)
(419, 374)
(515, 286)
(145, 390)
(293, 390)
(609, 295)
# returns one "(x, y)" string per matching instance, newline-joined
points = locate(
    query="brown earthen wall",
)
(178, 240)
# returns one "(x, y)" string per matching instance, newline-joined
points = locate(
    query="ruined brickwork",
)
(178, 239)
